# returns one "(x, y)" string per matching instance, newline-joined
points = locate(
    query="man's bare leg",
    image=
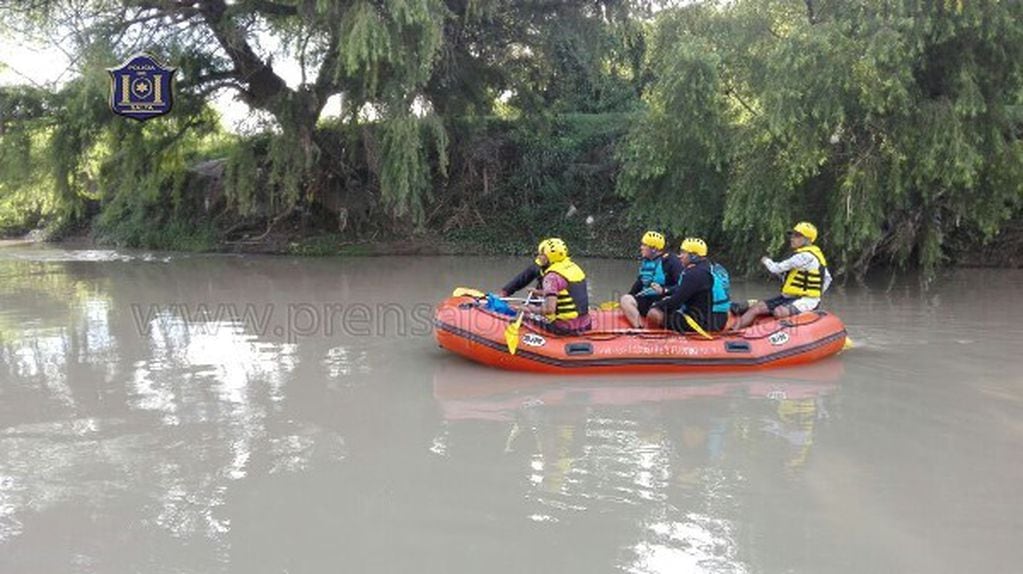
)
(751, 314)
(631, 310)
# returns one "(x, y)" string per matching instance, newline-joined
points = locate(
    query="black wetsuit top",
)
(694, 294)
(528, 275)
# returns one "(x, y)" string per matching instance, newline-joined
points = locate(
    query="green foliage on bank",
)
(537, 177)
(893, 125)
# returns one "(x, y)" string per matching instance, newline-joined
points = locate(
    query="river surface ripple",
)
(203, 414)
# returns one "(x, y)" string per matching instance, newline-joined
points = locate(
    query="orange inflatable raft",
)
(463, 326)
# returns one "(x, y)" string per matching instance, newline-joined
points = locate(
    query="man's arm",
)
(671, 290)
(550, 304)
(527, 276)
(677, 273)
(797, 261)
(689, 284)
(672, 270)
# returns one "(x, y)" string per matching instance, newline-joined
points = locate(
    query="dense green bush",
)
(894, 125)
(890, 124)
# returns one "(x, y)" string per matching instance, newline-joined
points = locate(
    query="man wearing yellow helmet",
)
(564, 291)
(805, 278)
(657, 271)
(693, 296)
(534, 272)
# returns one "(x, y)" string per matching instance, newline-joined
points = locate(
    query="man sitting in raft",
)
(565, 301)
(693, 297)
(658, 271)
(806, 278)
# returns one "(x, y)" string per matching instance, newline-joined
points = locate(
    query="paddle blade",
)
(511, 334)
(468, 292)
(696, 326)
(848, 344)
(608, 306)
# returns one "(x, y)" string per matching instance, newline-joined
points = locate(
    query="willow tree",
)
(378, 53)
(890, 123)
(407, 64)
(558, 57)
(675, 157)
(26, 191)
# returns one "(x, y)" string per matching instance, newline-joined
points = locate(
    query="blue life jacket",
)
(722, 285)
(651, 271)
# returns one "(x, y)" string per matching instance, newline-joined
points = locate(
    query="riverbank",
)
(325, 244)
(1005, 251)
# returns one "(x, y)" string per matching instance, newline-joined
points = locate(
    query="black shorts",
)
(783, 301)
(644, 302)
(677, 322)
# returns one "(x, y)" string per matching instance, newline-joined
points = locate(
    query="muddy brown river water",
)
(204, 414)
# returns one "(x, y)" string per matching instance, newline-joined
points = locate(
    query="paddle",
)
(695, 326)
(468, 292)
(511, 332)
(477, 294)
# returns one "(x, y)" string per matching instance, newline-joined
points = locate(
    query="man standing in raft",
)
(806, 278)
(658, 271)
(565, 302)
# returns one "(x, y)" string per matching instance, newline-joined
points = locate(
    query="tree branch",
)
(209, 89)
(175, 15)
(264, 86)
(218, 76)
(326, 84)
(738, 98)
(811, 13)
(265, 7)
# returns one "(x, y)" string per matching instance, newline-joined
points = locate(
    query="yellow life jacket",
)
(574, 300)
(804, 282)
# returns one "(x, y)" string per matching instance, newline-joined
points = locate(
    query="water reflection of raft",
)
(465, 392)
(464, 327)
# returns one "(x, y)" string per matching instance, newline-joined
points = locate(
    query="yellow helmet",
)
(806, 229)
(653, 239)
(554, 248)
(694, 245)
